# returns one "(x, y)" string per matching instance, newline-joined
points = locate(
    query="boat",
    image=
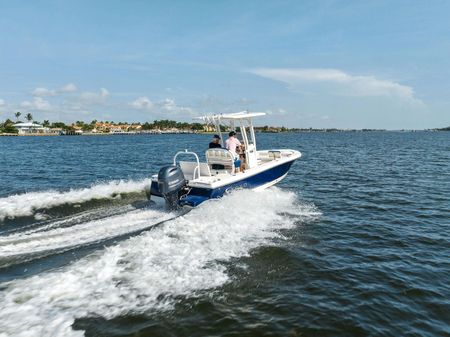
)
(187, 184)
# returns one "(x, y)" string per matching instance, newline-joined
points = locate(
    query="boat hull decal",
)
(252, 182)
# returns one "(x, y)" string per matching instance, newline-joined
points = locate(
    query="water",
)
(354, 242)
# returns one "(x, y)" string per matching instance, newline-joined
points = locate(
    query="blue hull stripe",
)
(254, 181)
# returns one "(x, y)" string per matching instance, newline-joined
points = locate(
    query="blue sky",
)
(346, 64)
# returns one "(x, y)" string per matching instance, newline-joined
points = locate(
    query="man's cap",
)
(216, 136)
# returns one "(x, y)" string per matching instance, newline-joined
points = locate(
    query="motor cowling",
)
(170, 184)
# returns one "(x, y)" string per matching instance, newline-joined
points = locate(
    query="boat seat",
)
(263, 156)
(188, 168)
(274, 155)
(269, 155)
(220, 158)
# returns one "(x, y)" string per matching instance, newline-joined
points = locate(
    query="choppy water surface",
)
(354, 242)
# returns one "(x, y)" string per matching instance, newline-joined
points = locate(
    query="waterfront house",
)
(29, 128)
(102, 127)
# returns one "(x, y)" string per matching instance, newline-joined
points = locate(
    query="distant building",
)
(101, 127)
(116, 129)
(30, 128)
(78, 130)
(209, 128)
(56, 131)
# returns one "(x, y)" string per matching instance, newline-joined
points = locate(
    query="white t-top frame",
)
(244, 121)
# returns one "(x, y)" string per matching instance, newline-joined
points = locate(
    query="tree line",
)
(7, 126)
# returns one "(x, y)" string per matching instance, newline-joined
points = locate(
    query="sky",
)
(321, 64)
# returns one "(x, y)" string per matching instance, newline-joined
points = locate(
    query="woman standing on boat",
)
(231, 144)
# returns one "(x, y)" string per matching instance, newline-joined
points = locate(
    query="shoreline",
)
(207, 133)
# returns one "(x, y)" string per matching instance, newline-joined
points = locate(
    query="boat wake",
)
(147, 272)
(67, 234)
(33, 203)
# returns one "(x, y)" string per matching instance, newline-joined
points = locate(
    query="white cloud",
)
(94, 97)
(70, 105)
(142, 103)
(337, 82)
(104, 92)
(167, 105)
(26, 104)
(41, 104)
(38, 103)
(2, 102)
(42, 92)
(69, 87)
(276, 112)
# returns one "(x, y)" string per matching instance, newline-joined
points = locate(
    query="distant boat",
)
(189, 183)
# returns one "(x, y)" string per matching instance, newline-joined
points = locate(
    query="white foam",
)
(62, 238)
(26, 204)
(85, 216)
(146, 272)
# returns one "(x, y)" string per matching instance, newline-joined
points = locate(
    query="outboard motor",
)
(171, 183)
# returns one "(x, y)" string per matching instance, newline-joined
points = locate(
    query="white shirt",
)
(231, 144)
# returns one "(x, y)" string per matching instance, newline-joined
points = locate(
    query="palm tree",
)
(29, 117)
(17, 114)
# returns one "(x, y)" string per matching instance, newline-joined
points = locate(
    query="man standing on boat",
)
(231, 144)
(215, 142)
